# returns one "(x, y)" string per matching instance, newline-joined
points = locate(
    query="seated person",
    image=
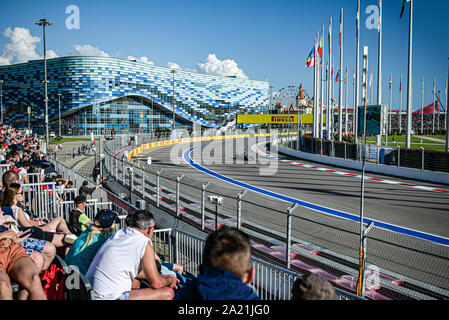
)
(226, 271)
(14, 194)
(164, 268)
(312, 287)
(125, 256)
(78, 220)
(83, 251)
(17, 265)
(39, 229)
(41, 251)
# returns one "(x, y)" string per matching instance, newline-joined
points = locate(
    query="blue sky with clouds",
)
(258, 39)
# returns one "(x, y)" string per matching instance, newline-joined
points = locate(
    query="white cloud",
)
(51, 54)
(141, 59)
(173, 65)
(89, 50)
(228, 67)
(21, 48)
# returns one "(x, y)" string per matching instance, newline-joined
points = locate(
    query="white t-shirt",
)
(117, 263)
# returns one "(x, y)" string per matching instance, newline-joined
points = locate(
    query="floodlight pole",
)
(44, 23)
(173, 72)
(1, 100)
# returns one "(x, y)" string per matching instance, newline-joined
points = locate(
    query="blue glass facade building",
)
(105, 95)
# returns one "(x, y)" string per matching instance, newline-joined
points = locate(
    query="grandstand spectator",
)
(78, 220)
(14, 194)
(83, 251)
(16, 264)
(164, 268)
(125, 256)
(86, 190)
(312, 287)
(226, 271)
(39, 228)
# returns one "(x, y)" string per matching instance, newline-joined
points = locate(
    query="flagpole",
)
(357, 72)
(390, 105)
(409, 80)
(433, 108)
(340, 98)
(317, 76)
(314, 92)
(322, 87)
(354, 103)
(331, 124)
(379, 66)
(346, 102)
(422, 105)
(329, 84)
(400, 108)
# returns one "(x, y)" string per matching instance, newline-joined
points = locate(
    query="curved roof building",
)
(102, 94)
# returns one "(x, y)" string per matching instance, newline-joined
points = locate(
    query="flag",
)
(357, 22)
(341, 28)
(320, 46)
(330, 35)
(310, 59)
(400, 86)
(390, 81)
(422, 84)
(346, 74)
(371, 80)
(338, 74)
(403, 7)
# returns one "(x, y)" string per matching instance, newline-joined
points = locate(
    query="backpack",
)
(53, 282)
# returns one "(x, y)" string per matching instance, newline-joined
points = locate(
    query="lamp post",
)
(44, 23)
(59, 109)
(174, 125)
(1, 100)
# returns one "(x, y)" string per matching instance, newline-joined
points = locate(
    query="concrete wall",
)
(409, 173)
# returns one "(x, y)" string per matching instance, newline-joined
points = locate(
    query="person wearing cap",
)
(78, 220)
(312, 287)
(83, 251)
(86, 190)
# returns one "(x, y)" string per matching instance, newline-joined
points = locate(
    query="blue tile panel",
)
(84, 81)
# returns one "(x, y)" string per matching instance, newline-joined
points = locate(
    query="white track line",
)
(255, 148)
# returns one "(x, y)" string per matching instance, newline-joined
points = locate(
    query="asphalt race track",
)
(425, 212)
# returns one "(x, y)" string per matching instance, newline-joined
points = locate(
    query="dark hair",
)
(80, 198)
(141, 219)
(9, 177)
(228, 248)
(9, 194)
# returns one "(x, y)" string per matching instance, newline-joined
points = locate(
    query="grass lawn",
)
(69, 139)
(416, 142)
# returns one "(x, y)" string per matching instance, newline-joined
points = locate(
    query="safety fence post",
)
(203, 201)
(289, 234)
(239, 207)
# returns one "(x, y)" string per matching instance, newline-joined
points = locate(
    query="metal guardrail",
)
(272, 282)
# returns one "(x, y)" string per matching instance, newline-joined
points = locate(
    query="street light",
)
(1, 100)
(173, 72)
(44, 23)
(59, 108)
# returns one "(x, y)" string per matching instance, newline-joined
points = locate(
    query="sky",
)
(254, 39)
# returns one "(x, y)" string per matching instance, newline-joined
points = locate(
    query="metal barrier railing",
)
(272, 282)
(180, 194)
